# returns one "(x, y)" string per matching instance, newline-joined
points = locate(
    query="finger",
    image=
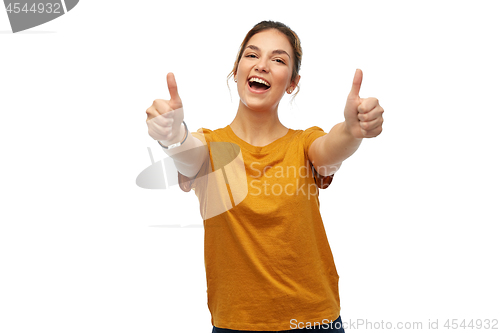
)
(356, 84)
(172, 88)
(162, 120)
(159, 130)
(156, 134)
(369, 126)
(161, 106)
(373, 114)
(373, 133)
(152, 113)
(156, 110)
(367, 104)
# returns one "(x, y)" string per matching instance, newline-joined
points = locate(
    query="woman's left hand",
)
(363, 116)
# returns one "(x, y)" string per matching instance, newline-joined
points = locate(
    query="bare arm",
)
(329, 151)
(188, 157)
(165, 124)
(363, 119)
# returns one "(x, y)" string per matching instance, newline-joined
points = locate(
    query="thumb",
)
(172, 88)
(356, 84)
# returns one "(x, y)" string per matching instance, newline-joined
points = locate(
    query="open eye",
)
(280, 60)
(251, 56)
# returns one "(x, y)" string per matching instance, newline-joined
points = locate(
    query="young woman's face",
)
(268, 56)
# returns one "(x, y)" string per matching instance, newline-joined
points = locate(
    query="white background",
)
(411, 217)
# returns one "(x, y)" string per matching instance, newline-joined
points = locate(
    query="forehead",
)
(270, 40)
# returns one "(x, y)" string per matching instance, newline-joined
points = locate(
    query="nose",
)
(262, 65)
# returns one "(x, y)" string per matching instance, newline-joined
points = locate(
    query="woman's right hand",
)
(165, 117)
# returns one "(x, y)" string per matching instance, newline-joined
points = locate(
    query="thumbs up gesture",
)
(363, 116)
(165, 117)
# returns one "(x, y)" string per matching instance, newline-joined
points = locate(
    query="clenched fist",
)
(363, 116)
(165, 117)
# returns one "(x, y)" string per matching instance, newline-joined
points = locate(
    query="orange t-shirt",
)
(268, 262)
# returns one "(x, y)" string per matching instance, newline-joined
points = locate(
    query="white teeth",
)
(255, 79)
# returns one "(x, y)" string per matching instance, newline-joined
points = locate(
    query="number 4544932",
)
(477, 324)
(35, 8)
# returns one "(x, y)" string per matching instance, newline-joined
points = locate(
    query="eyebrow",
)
(253, 47)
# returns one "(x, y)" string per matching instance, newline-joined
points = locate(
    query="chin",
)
(259, 104)
(259, 107)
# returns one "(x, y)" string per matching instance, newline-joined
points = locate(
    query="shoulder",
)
(202, 131)
(310, 134)
(312, 130)
(207, 135)
(203, 134)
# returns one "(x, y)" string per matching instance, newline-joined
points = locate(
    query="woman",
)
(268, 261)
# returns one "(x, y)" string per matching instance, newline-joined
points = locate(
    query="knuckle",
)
(157, 103)
(160, 121)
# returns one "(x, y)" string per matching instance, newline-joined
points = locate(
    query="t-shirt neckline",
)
(257, 149)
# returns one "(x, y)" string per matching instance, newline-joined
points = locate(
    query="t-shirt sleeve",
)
(311, 134)
(203, 134)
(186, 183)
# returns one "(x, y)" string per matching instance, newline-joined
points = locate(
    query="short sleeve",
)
(186, 183)
(311, 134)
(203, 134)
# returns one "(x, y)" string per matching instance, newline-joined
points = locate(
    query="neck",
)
(258, 128)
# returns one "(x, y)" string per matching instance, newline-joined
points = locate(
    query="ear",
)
(294, 83)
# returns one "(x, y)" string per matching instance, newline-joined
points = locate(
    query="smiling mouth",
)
(258, 86)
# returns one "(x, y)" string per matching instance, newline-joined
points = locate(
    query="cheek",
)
(282, 78)
(241, 72)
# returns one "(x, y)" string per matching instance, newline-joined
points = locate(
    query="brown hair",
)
(284, 29)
